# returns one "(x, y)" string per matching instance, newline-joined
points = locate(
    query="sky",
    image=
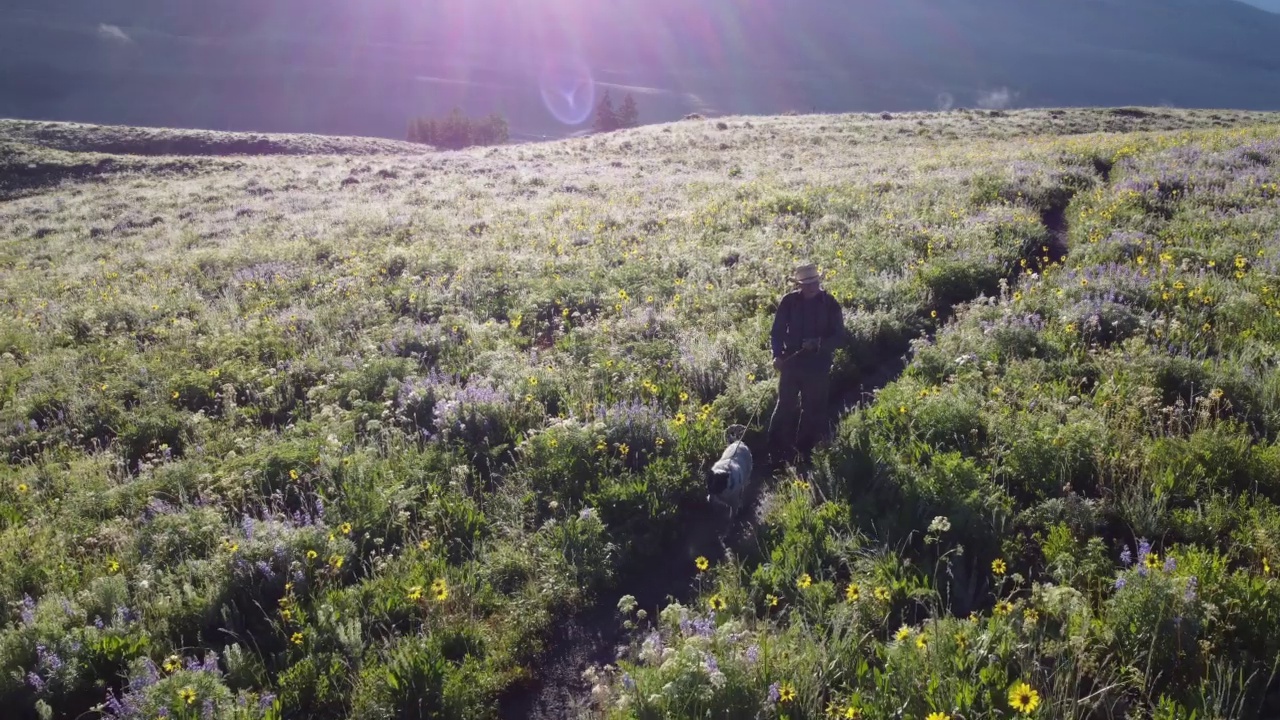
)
(345, 67)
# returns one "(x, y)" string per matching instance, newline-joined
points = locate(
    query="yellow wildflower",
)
(1023, 698)
(440, 589)
(787, 692)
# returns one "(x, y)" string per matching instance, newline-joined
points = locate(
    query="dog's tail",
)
(734, 433)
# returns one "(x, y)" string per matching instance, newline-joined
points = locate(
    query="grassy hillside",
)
(413, 435)
(121, 140)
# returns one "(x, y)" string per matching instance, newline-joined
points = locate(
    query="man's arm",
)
(779, 326)
(834, 332)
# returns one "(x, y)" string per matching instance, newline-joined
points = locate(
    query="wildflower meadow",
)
(370, 432)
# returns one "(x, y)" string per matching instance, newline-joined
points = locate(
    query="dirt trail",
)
(592, 637)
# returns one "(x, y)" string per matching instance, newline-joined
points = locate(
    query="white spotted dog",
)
(727, 481)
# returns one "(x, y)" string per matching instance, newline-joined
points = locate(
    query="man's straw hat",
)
(806, 274)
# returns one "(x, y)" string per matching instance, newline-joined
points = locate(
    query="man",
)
(807, 328)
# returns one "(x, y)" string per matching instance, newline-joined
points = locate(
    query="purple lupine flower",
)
(115, 707)
(1170, 564)
(153, 673)
(265, 701)
(247, 525)
(35, 681)
(711, 664)
(1190, 594)
(210, 664)
(686, 626)
(705, 627)
(628, 682)
(67, 609)
(206, 709)
(1120, 583)
(753, 654)
(1144, 549)
(774, 692)
(48, 659)
(28, 610)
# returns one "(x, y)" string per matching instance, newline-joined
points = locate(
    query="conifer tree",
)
(606, 118)
(628, 114)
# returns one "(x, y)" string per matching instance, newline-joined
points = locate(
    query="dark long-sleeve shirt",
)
(798, 318)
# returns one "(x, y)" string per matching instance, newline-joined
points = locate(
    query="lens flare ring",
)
(568, 90)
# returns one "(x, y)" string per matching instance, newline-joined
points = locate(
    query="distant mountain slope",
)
(337, 67)
(1268, 5)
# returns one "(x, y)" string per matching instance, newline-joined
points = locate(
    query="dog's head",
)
(717, 481)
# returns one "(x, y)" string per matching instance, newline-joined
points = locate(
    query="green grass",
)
(352, 433)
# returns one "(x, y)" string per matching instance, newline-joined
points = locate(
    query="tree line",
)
(608, 119)
(456, 130)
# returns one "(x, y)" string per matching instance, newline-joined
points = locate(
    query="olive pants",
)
(802, 390)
